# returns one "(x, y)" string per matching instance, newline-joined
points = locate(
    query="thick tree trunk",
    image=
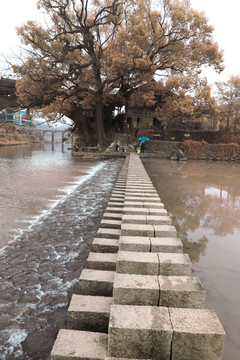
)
(99, 119)
(227, 128)
(80, 121)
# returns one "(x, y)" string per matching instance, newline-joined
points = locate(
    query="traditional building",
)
(140, 118)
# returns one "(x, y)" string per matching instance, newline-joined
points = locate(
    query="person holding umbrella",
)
(142, 144)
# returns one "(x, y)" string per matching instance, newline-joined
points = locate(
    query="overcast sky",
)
(223, 15)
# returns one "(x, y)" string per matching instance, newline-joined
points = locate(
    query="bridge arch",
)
(53, 132)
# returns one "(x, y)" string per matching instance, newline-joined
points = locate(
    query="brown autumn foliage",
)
(194, 148)
(93, 57)
(188, 97)
(229, 149)
(229, 101)
(10, 136)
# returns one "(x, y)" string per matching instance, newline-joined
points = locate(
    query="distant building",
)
(2, 117)
(16, 117)
(204, 123)
(8, 114)
(21, 117)
(140, 117)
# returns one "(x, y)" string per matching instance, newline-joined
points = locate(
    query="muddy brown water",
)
(203, 199)
(50, 209)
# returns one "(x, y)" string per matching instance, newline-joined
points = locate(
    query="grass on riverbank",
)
(9, 135)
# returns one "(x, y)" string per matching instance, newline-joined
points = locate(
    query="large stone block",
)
(157, 212)
(96, 282)
(165, 231)
(111, 224)
(166, 245)
(118, 193)
(136, 289)
(134, 196)
(134, 219)
(102, 245)
(135, 211)
(141, 193)
(79, 345)
(134, 243)
(154, 199)
(181, 292)
(135, 204)
(175, 264)
(112, 216)
(108, 233)
(114, 210)
(158, 220)
(120, 186)
(140, 263)
(140, 189)
(139, 183)
(139, 332)
(197, 334)
(90, 313)
(117, 199)
(137, 230)
(101, 261)
(150, 204)
(115, 204)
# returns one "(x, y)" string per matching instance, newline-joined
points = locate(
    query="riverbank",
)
(9, 136)
(193, 150)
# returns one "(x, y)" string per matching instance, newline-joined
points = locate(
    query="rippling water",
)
(33, 180)
(203, 199)
(51, 207)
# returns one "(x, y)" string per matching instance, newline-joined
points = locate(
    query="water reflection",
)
(22, 151)
(205, 195)
(32, 177)
(203, 199)
(18, 151)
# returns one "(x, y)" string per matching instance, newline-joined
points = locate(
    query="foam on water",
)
(49, 275)
(67, 191)
(14, 339)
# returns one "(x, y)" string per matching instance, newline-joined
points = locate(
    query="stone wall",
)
(165, 149)
(137, 297)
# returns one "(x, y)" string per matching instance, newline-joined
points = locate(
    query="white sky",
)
(223, 15)
(14, 13)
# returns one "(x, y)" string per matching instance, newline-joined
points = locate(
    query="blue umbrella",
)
(143, 139)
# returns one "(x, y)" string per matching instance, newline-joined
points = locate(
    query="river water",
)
(203, 199)
(50, 209)
(51, 206)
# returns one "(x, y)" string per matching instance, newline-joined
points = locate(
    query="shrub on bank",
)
(229, 150)
(194, 148)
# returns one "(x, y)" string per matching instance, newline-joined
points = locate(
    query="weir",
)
(137, 297)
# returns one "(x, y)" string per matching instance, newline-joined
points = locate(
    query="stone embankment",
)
(137, 297)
